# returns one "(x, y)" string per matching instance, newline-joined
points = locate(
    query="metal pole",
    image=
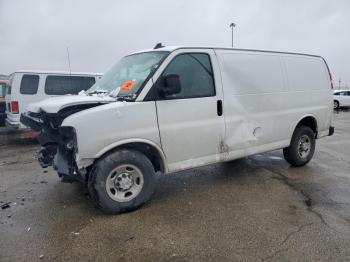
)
(70, 70)
(232, 25)
(232, 37)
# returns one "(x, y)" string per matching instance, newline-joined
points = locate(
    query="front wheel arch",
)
(100, 185)
(151, 151)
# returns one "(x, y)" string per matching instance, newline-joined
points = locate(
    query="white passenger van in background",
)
(173, 108)
(26, 87)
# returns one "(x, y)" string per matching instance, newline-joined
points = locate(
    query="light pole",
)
(232, 25)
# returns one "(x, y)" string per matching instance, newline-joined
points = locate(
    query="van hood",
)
(55, 104)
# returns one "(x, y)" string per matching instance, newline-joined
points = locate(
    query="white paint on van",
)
(264, 95)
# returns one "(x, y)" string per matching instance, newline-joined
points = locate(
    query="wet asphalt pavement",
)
(254, 209)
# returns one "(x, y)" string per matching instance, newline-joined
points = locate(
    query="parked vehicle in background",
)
(173, 108)
(341, 98)
(3, 84)
(26, 87)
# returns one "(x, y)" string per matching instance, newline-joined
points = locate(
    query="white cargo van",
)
(174, 108)
(26, 87)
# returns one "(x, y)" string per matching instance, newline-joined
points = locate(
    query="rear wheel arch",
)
(338, 103)
(309, 121)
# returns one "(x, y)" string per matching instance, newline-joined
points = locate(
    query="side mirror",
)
(171, 85)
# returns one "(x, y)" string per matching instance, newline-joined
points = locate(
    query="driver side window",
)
(195, 73)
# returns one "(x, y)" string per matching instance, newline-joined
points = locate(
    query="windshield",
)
(127, 77)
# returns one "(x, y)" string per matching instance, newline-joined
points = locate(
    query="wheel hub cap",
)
(124, 182)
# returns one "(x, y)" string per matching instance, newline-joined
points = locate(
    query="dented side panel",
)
(265, 98)
(253, 91)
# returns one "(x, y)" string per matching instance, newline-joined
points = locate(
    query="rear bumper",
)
(11, 124)
(13, 121)
(331, 130)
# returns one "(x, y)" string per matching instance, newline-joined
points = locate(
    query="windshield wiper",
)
(125, 98)
(101, 91)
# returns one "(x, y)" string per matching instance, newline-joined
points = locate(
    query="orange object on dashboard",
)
(128, 85)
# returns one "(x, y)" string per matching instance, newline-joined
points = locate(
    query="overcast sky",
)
(34, 34)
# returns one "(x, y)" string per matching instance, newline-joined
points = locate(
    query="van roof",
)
(173, 48)
(56, 72)
(340, 90)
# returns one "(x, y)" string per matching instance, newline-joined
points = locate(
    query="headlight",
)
(70, 145)
(68, 138)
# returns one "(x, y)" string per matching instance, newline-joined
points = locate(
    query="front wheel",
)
(302, 147)
(122, 181)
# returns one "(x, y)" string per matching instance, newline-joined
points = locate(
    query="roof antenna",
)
(70, 70)
(159, 45)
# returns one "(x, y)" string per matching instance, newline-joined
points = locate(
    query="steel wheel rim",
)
(304, 146)
(335, 105)
(124, 183)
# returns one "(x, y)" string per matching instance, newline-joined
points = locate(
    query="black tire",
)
(295, 154)
(102, 170)
(336, 104)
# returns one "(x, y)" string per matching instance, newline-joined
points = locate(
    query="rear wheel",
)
(302, 147)
(335, 104)
(122, 181)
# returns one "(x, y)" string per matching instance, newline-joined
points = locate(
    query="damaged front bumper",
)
(59, 147)
(64, 161)
(65, 165)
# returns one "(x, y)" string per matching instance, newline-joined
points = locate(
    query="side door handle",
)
(219, 107)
